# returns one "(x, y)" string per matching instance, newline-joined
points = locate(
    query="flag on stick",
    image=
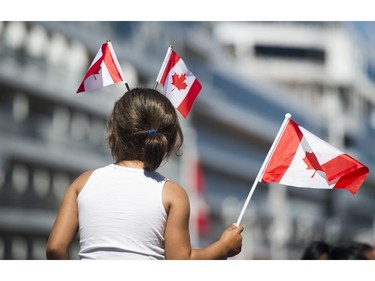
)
(299, 158)
(104, 70)
(181, 87)
(302, 159)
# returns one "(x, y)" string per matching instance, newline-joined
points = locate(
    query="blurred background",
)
(252, 74)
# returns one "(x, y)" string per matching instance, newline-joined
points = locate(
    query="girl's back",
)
(121, 214)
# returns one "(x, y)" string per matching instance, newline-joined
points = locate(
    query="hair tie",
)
(151, 132)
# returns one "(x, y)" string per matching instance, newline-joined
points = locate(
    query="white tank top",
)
(121, 214)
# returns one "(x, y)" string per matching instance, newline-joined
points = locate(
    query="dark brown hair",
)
(144, 126)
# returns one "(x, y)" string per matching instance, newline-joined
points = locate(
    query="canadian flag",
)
(104, 70)
(302, 159)
(181, 87)
(200, 211)
(203, 220)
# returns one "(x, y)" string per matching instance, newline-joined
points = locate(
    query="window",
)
(20, 178)
(20, 107)
(79, 126)
(288, 52)
(19, 248)
(15, 34)
(41, 182)
(2, 248)
(2, 177)
(39, 249)
(60, 184)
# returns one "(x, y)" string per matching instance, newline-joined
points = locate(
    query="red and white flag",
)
(200, 209)
(105, 70)
(302, 159)
(181, 87)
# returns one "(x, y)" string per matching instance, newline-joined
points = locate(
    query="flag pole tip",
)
(108, 40)
(288, 115)
(171, 46)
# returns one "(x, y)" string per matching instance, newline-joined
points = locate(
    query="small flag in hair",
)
(105, 70)
(181, 87)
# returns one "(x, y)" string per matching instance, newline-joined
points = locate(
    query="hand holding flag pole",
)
(266, 160)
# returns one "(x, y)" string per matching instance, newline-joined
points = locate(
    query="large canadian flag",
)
(104, 70)
(180, 86)
(302, 159)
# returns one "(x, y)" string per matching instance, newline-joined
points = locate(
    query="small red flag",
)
(105, 70)
(181, 87)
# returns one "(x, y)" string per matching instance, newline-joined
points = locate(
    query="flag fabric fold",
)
(104, 70)
(180, 86)
(302, 159)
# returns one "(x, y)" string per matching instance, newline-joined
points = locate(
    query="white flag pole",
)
(163, 66)
(265, 163)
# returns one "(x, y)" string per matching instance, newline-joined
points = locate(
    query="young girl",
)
(127, 210)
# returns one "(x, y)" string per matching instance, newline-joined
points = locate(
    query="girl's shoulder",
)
(81, 181)
(176, 200)
(174, 194)
(174, 187)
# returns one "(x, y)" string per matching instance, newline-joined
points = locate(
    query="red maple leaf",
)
(179, 81)
(312, 162)
(97, 73)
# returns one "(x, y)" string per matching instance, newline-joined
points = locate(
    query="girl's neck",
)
(131, 164)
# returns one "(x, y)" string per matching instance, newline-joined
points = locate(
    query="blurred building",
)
(327, 71)
(252, 74)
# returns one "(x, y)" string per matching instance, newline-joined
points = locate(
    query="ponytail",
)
(155, 150)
